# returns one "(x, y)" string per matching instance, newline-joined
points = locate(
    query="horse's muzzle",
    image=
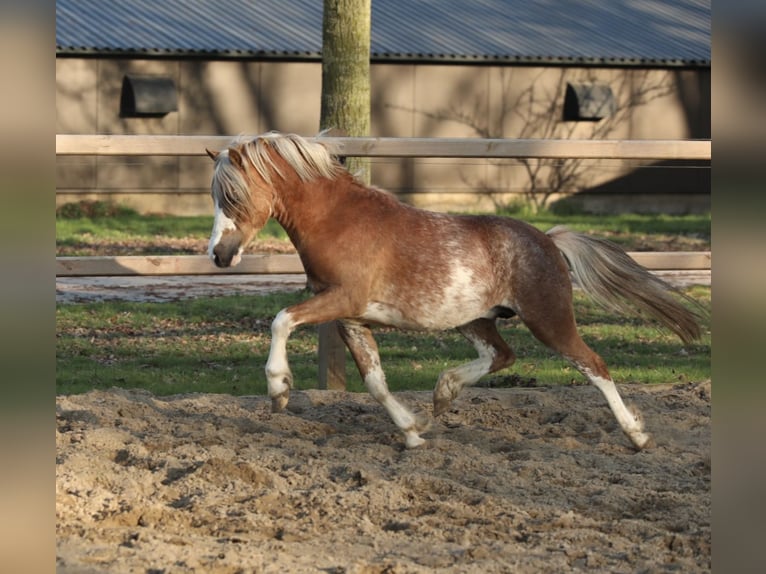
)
(228, 250)
(226, 255)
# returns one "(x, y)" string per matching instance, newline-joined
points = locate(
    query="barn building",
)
(616, 69)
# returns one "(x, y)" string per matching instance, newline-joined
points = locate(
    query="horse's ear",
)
(236, 158)
(213, 154)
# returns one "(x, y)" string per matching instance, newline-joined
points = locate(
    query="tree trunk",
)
(345, 106)
(346, 72)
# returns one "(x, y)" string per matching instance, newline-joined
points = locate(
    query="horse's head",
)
(242, 200)
(247, 179)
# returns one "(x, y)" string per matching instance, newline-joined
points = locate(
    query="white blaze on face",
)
(221, 223)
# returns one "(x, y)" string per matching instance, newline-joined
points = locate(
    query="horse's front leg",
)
(278, 374)
(364, 350)
(323, 307)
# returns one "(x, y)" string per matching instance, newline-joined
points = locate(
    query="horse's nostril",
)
(216, 260)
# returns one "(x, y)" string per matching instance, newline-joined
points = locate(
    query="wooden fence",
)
(401, 147)
(332, 357)
(114, 266)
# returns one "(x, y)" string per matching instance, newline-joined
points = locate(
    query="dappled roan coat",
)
(372, 260)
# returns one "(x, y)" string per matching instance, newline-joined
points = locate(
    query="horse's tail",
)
(614, 280)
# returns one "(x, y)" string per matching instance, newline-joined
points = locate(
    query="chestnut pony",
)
(371, 260)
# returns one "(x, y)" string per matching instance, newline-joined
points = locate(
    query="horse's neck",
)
(301, 208)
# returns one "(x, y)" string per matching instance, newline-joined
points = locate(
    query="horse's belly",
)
(425, 317)
(460, 293)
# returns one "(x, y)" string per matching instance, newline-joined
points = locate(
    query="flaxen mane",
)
(309, 159)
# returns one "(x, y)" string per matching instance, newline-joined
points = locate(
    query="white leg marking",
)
(453, 380)
(278, 372)
(630, 423)
(376, 384)
(375, 381)
(220, 224)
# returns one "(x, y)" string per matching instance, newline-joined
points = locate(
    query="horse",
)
(371, 260)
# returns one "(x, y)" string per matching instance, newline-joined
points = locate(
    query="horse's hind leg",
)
(593, 367)
(557, 329)
(494, 354)
(364, 350)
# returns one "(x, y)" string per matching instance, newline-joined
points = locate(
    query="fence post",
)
(332, 351)
(332, 358)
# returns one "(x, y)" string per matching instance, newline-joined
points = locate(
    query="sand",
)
(511, 480)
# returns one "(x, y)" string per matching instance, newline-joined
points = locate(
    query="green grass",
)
(220, 345)
(111, 221)
(77, 223)
(627, 223)
(131, 226)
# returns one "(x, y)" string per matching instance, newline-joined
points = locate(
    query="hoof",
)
(413, 440)
(441, 406)
(642, 441)
(422, 422)
(445, 392)
(279, 402)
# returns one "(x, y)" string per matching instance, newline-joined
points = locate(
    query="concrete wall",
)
(408, 100)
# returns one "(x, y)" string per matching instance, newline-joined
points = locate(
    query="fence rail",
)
(175, 145)
(401, 147)
(266, 264)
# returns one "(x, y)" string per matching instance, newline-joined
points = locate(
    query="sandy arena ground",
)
(512, 480)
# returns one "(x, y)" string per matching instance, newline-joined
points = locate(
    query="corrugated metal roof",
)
(623, 32)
